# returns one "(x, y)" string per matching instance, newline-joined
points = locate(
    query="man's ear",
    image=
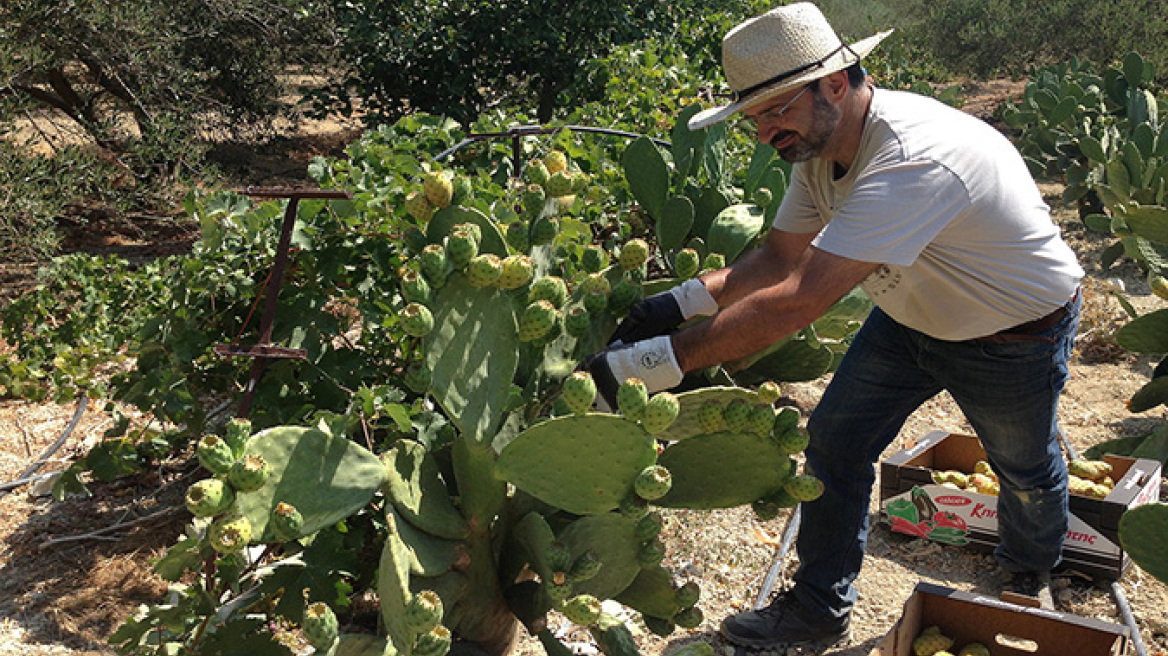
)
(836, 85)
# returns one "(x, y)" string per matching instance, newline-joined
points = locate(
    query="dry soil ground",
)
(71, 571)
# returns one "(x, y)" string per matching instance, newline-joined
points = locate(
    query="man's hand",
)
(651, 360)
(662, 313)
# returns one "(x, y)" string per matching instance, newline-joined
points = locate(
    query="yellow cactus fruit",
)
(983, 467)
(1159, 285)
(931, 642)
(1080, 486)
(1092, 470)
(951, 478)
(419, 207)
(974, 649)
(438, 187)
(555, 161)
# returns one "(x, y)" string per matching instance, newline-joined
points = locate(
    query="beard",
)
(824, 118)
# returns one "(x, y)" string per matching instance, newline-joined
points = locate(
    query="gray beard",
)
(824, 119)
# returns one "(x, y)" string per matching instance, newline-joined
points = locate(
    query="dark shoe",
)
(1033, 585)
(783, 625)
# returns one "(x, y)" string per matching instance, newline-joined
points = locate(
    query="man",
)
(935, 214)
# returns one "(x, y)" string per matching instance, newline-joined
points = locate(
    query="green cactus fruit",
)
(439, 188)
(434, 264)
(633, 507)
(594, 259)
(762, 197)
(516, 271)
(688, 594)
(474, 229)
(974, 649)
(237, 433)
(929, 643)
(595, 303)
(416, 320)
(631, 398)
(710, 418)
(762, 419)
(686, 263)
(286, 522)
(249, 473)
(544, 230)
(585, 566)
(804, 487)
(769, 392)
(651, 553)
(649, 526)
(559, 557)
(209, 497)
(736, 414)
(560, 184)
(765, 509)
(658, 626)
(419, 207)
(1159, 285)
(537, 320)
(417, 378)
(229, 534)
(558, 593)
(579, 392)
(320, 626)
(424, 611)
(689, 618)
(533, 200)
(461, 247)
(577, 321)
(596, 283)
(414, 288)
(214, 454)
(786, 420)
(484, 270)
(653, 482)
(793, 441)
(583, 609)
(463, 190)
(536, 173)
(548, 288)
(555, 161)
(519, 236)
(633, 254)
(660, 412)
(714, 261)
(435, 642)
(580, 182)
(624, 294)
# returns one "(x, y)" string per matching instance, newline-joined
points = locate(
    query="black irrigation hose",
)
(27, 475)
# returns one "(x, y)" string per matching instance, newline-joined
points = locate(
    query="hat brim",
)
(837, 62)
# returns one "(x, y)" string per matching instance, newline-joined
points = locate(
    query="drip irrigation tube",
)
(26, 476)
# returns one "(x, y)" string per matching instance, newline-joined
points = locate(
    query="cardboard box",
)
(965, 517)
(1006, 629)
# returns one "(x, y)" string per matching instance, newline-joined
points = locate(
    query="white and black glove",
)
(652, 360)
(662, 313)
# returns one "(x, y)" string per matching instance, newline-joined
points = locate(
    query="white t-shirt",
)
(946, 204)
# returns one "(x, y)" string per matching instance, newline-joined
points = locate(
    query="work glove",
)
(662, 313)
(652, 360)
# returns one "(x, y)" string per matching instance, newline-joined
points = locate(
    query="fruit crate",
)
(969, 518)
(1003, 627)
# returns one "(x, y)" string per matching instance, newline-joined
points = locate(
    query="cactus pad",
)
(611, 538)
(418, 494)
(722, 470)
(1141, 531)
(688, 423)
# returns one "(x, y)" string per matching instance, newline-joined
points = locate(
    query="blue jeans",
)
(1009, 393)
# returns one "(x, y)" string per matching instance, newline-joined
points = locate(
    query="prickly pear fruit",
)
(560, 184)
(463, 190)
(519, 236)
(761, 420)
(544, 230)
(762, 197)
(229, 534)
(594, 259)
(236, 434)
(537, 320)
(710, 417)
(793, 441)
(688, 594)
(414, 288)
(533, 200)
(434, 264)
(215, 454)
(786, 420)
(286, 522)
(583, 609)
(631, 398)
(473, 228)
(424, 612)
(649, 526)
(804, 487)
(658, 626)
(416, 320)
(249, 473)
(624, 295)
(651, 553)
(768, 507)
(1159, 285)
(585, 566)
(633, 254)
(577, 321)
(736, 414)
(660, 412)
(595, 303)
(653, 482)
(461, 247)
(419, 207)
(985, 468)
(769, 392)
(484, 270)
(559, 557)
(596, 283)
(1093, 470)
(548, 288)
(558, 592)
(714, 261)
(929, 642)
(633, 507)
(515, 272)
(209, 497)
(438, 187)
(579, 392)
(555, 161)
(536, 172)
(688, 618)
(417, 378)
(974, 649)
(320, 626)
(435, 642)
(686, 263)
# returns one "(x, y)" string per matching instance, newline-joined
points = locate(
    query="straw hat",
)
(782, 49)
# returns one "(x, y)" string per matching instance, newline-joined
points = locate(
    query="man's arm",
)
(758, 269)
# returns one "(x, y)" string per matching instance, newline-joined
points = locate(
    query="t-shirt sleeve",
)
(797, 212)
(894, 212)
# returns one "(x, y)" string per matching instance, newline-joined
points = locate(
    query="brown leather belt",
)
(1027, 331)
